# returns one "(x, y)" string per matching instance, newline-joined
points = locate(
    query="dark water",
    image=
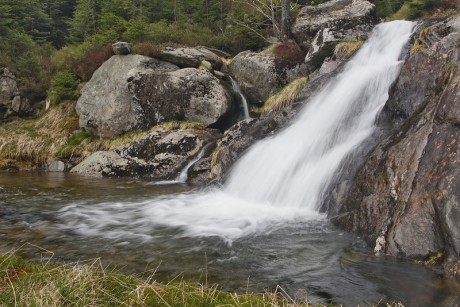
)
(309, 258)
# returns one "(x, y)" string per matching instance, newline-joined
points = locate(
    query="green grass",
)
(89, 284)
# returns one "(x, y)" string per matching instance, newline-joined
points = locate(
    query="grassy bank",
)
(87, 284)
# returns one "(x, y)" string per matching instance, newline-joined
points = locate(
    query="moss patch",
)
(345, 50)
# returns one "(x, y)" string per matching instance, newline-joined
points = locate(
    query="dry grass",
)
(174, 125)
(27, 144)
(345, 50)
(417, 47)
(285, 97)
(35, 141)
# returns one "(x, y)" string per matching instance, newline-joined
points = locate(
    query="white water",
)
(280, 180)
(236, 88)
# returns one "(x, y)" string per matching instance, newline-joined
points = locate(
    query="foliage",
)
(63, 87)
(412, 9)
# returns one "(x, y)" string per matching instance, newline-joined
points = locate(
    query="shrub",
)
(148, 49)
(63, 87)
(288, 50)
(92, 61)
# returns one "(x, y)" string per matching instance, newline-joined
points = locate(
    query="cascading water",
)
(279, 179)
(236, 88)
(294, 168)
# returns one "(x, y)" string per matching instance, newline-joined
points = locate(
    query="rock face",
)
(261, 75)
(190, 57)
(319, 28)
(11, 102)
(405, 199)
(137, 92)
(160, 155)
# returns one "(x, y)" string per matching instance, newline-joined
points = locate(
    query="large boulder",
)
(160, 155)
(190, 57)
(405, 199)
(317, 29)
(186, 94)
(263, 74)
(136, 92)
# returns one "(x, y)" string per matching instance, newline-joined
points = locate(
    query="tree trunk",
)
(285, 19)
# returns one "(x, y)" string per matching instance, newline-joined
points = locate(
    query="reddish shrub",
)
(148, 49)
(93, 60)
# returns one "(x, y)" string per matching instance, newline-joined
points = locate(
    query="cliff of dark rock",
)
(404, 199)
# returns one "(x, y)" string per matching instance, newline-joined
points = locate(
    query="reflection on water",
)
(312, 255)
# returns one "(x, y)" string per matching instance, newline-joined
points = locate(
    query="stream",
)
(305, 257)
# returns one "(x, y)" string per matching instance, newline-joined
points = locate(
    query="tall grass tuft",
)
(285, 97)
(35, 141)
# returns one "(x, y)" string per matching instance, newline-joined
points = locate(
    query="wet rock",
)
(190, 57)
(404, 199)
(319, 28)
(121, 48)
(160, 155)
(235, 141)
(56, 166)
(199, 172)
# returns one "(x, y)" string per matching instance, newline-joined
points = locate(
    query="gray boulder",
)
(319, 28)
(121, 48)
(8, 86)
(10, 99)
(137, 92)
(160, 155)
(106, 106)
(190, 57)
(186, 94)
(261, 75)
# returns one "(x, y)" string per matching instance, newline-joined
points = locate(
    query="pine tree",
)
(85, 19)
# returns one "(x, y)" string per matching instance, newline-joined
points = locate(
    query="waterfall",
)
(294, 168)
(236, 88)
(280, 180)
(183, 175)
